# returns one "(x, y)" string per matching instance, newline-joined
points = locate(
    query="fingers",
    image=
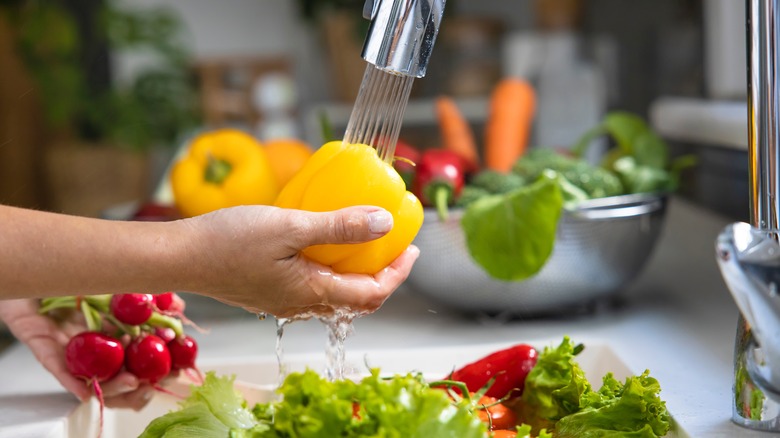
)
(135, 399)
(122, 383)
(50, 354)
(367, 293)
(348, 225)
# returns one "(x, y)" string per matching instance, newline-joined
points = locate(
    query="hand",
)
(254, 259)
(47, 339)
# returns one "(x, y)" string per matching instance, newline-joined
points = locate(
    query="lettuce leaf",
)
(402, 406)
(194, 420)
(554, 386)
(511, 235)
(630, 409)
(406, 406)
(211, 410)
(557, 396)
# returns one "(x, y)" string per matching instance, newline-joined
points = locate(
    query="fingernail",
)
(380, 221)
(147, 395)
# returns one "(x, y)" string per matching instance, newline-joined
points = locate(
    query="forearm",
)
(45, 254)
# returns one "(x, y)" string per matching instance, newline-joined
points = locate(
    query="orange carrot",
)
(511, 114)
(456, 134)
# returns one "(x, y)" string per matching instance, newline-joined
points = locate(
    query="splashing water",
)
(280, 323)
(339, 326)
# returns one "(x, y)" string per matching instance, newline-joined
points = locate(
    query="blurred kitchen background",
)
(97, 95)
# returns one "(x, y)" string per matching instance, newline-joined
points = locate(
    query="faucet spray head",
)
(401, 34)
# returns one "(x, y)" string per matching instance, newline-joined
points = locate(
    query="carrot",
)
(456, 134)
(511, 113)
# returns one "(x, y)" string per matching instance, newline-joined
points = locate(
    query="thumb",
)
(348, 225)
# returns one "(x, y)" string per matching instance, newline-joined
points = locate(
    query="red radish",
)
(183, 351)
(94, 357)
(177, 305)
(171, 304)
(148, 358)
(164, 300)
(133, 309)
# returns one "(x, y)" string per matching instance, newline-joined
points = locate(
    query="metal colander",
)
(599, 248)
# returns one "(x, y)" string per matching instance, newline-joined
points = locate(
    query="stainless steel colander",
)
(599, 248)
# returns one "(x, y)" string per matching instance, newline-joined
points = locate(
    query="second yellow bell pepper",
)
(222, 168)
(341, 175)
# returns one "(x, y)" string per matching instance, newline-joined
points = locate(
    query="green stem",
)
(441, 200)
(464, 390)
(100, 302)
(216, 170)
(92, 317)
(159, 320)
(132, 330)
(49, 304)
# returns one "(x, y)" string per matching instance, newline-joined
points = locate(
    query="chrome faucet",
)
(401, 34)
(748, 255)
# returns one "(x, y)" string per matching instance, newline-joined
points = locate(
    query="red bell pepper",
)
(509, 368)
(439, 179)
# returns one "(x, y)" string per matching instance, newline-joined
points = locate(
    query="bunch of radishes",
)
(141, 332)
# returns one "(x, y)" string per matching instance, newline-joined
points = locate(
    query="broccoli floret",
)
(597, 182)
(470, 194)
(533, 162)
(497, 182)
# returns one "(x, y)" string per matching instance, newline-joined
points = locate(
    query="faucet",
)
(401, 34)
(748, 255)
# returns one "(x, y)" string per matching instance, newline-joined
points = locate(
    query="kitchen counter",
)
(677, 319)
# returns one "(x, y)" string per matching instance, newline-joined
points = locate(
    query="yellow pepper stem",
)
(216, 170)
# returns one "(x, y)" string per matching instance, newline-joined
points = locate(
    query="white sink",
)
(257, 378)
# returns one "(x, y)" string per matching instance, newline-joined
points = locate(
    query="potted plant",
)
(102, 130)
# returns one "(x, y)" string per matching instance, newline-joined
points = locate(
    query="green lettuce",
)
(403, 406)
(554, 386)
(558, 397)
(511, 235)
(630, 409)
(211, 410)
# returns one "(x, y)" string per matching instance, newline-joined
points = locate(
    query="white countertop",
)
(678, 320)
(706, 122)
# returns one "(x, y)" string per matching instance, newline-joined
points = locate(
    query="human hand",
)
(47, 339)
(253, 259)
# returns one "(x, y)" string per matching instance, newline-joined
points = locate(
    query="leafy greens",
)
(520, 222)
(557, 401)
(557, 396)
(400, 407)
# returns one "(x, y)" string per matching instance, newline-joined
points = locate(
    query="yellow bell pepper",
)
(341, 175)
(222, 168)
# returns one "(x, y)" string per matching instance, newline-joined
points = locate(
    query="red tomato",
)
(498, 417)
